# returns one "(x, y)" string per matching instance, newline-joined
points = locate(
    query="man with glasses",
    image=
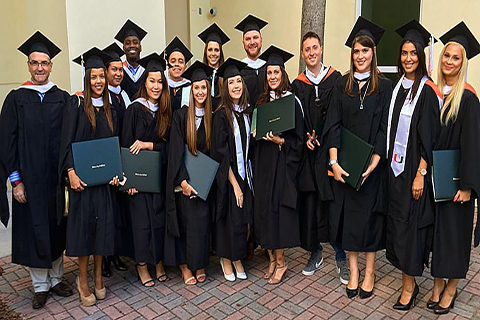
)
(30, 129)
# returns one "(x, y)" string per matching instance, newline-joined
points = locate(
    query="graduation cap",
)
(462, 35)
(275, 56)
(415, 32)
(114, 51)
(153, 62)
(177, 45)
(230, 68)
(197, 71)
(250, 23)
(39, 43)
(93, 58)
(130, 28)
(367, 28)
(214, 33)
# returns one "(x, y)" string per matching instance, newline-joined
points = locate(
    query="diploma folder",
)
(143, 171)
(276, 116)
(445, 174)
(97, 161)
(354, 157)
(201, 171)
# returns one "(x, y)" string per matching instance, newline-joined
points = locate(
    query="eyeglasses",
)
(35, 64)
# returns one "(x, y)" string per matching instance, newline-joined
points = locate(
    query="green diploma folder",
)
(143, 171)
(201, 172)
(445, 174)
(276, 116)
(97, 161)
(253, 126)
(354, 157)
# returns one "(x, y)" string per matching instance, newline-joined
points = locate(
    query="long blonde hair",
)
(455, 96)
(207, 121)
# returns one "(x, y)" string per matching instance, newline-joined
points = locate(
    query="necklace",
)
(364, 95)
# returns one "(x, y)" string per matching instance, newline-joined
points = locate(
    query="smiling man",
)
(131, 35)
(30, 131)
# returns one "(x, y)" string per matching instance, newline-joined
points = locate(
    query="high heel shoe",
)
(430, 303)
(228, 277)
(117, 263)
(366, 294)
(351, 293)
(148, 283)
(274, 279)
(240, 275)
(86, 301)
(100, 293)
(269, 273)
(440, 310)
(410, 304)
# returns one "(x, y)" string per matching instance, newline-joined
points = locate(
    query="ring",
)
(461, 202)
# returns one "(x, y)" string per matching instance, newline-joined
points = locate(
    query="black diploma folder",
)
(201, 171)
(276, 116)
(143, 171)
(354, 157)
(445, 174)
(97, 161)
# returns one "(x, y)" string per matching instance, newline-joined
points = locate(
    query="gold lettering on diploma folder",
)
(274, 120)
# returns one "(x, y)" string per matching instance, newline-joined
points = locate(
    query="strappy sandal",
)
(190, 281)
(269, 273)
(201, 277)
(278, 270)
(162, 278)
(148, 283)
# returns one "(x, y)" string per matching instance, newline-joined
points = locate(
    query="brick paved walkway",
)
(318, 296)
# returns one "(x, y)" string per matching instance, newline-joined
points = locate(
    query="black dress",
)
(254, 80)
(147, 210)
(312, 212)
(454, 221)
(410, 221)
(230, 221)
(30, 131)
(357, 218)
(276, 220)
(188, 220)
(91, 224)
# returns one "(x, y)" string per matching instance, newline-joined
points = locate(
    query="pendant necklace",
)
(360, 95)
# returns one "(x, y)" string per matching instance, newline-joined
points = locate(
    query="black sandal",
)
(162, 278)
(146, 283)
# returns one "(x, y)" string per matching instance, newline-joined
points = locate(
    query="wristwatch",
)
(331, 162)
(422, 171)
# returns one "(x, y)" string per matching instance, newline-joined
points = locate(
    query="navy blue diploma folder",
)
(143, 171)
(97, 161)
(445, 174)
(201, 171)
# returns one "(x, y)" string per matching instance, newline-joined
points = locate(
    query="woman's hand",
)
(417, 187)
(238, 196)
(275, 138)
(140, 145)
(75, 182)
(19, 193)
(115, 181)
(338, 173)
(132, 191)
(462, 196)
(373, 164)
(312, 140)
(188, 190)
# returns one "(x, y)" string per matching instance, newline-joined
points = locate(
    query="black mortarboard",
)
(177, 45)
(462, 35)
(153, 62)
(275, 56)
(415, 32)
(130, 28)
(230, 68)
(250, 23)
(114, 51)
(214, 33)
(39, 43)
(197, 71)
(365, 27)
(93, 58)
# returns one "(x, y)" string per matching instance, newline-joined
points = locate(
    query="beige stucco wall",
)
(177, 20)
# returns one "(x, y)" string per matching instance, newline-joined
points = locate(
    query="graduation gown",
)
(30, 132)
(276, 221)
(188, 220)
(311, 211)
(147, 209)
(130, 82)
(176, 96)
(215, 89)
(357, 218)
(254, 80)
(230, 221)
(91, 225)
(410, 221)
(454, 221)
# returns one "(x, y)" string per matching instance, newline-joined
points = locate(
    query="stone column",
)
(313, 19)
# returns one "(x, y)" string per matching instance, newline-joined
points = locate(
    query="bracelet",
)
(69, 169)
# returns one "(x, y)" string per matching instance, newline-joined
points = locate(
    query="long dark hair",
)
(87, 103)
(421, 70)
(284, 86)
(226, 102)
(365, 41)
(164, 113)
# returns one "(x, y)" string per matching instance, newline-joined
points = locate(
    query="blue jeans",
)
(339, 253)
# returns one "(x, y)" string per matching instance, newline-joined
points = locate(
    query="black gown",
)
(452, 237)
(276, 222)
(216, 91)
(357, 218)
(410, 221)
(147, 209)
(188, 220)
(30, 132)
(254, 80)
(312, 212)
(128, 84)
(90, 225)
(176, 96)
(230, 221)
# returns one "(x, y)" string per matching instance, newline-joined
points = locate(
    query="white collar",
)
(254, 64)
(284, 94)
(199, 112)
(447, 89)
(41, 88)
(361, 76)
(407, 83)
(97, 102)
(115, 90)
(130, 66)
(147, 104)
(237, 108)
(175, 84)
(316, 79)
